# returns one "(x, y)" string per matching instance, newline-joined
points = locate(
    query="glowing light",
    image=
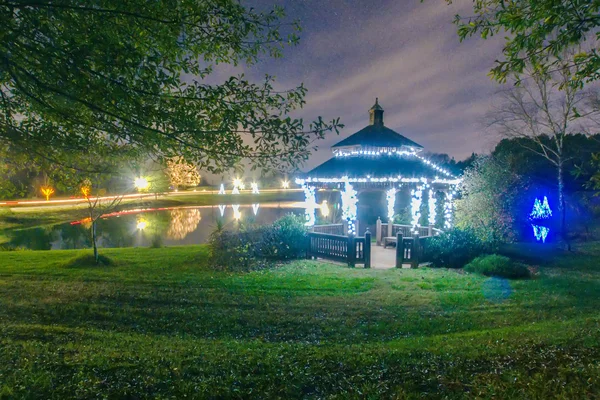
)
(541, 210)
(222, 209)
(255, 208)
(254, 187)
(540, 232)
(349, 206)
(449, 209)
(85, 190)
(235, 190)
(368, 178)
(285, 184)
(237, 214)
(390, 196)
(237, 182)
(141, 225)
(141, 184)
(415, 206)
(324, 209)
(311, 205)
(47, 191)
(432, 204)
(222, 189)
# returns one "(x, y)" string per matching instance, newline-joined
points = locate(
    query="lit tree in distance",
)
(182, 173)
(47, 191)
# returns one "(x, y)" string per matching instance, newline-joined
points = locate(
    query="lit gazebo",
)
(378, 158)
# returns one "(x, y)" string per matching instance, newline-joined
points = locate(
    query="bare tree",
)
(97, 207)
(541, 111)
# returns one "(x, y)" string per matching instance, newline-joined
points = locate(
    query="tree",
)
(541, 117)
(539, 32)
(488, 205)
(77, 76)
(97, 207)
(182, 173)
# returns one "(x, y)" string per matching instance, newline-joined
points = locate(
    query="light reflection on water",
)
(170, 227)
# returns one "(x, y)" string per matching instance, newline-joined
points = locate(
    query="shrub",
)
(452, 249)
(255, 247)
(285, 239)
(496, 265)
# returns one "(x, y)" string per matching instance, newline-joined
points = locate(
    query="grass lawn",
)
(159, 324)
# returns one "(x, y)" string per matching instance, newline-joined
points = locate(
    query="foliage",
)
(544, 116)
(182, 173)
(77, 77)
(258, 246)
(500, 266)
(489, 202)
(433, 334)
(453, 248)
(540, 32)
(285, 239)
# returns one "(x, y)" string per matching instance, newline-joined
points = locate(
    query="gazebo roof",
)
(406, 166)
(377, 136)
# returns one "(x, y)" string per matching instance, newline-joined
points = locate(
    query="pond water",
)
(143, 228)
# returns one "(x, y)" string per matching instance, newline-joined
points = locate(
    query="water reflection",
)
(150, 227)
(540, 232)
(183, 222)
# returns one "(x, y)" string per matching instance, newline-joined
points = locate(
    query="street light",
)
(141, 184)
(285, 184)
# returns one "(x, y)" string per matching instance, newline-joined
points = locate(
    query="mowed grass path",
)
(160, 324)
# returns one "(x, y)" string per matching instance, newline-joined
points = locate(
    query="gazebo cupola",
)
(375, 139)
(376, 157)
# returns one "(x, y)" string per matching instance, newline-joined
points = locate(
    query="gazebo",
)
(378, 158)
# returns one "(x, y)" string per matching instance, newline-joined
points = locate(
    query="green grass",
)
(159, 323)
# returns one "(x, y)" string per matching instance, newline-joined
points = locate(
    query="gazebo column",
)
(432, 210)
(311, 204)
(390, 196)
(415, 205)
(448, 207)
(349, 207)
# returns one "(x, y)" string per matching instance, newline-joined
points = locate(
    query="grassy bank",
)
(159, 323)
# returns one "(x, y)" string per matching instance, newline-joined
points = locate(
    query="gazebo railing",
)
(332, 229)
(349, 249)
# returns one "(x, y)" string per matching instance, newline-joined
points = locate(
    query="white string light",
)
(255, 208)
(349, 206)
(390, 196)
(222, 209)
(432, 204)
(415, 207)
(254, 187)
(222, 189)
(311, 204)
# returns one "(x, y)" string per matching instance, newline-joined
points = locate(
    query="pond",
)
(144, 228)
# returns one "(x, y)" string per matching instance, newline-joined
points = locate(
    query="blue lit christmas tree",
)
(541, 210)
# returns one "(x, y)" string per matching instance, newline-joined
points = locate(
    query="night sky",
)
(434, 89)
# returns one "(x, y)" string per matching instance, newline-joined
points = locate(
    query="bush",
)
(452, 249)
(255, 247)
(495, 265)
(285, 239)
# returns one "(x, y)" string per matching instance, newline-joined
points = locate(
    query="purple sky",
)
(434, 89)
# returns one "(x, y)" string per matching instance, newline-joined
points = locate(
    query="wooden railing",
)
(348, 249)
(383, 230)
(332, 229)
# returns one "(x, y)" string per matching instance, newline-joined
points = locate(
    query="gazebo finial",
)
(376, 114)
